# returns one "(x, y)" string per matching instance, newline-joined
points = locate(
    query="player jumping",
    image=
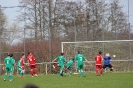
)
(107, 58)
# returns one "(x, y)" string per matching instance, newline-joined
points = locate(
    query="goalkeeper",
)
(19, 68)
(69, 65)
(107, 63)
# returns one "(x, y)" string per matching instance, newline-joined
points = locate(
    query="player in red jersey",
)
(99, 59)
(32, 64)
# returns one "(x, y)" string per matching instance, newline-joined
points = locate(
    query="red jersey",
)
(98, 59)
(31, 59)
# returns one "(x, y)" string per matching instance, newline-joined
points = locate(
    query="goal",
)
(120, 50)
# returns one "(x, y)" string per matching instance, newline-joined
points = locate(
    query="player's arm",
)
(87, 61)
(102, 59)
(19, 66)
(75, 58)
(25, 63)
(28, 62)
(3, 67)
(65, 60)
(54, 60)
(33, 57)
(13, 63)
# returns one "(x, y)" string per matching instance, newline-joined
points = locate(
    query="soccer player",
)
(8, 68)
(107, 58)
(32, 64)
(69, 66)
(61, 59)
(80, 58)
(98, 60)
(19, 68)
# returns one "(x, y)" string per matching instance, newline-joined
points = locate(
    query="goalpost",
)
(121, 52)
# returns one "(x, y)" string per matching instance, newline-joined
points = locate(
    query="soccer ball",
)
(114, 55)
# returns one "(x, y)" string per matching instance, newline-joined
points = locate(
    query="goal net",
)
(121, 52)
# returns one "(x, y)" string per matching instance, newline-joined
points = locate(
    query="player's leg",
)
(111, 67)
(79, 71)
(21, 72)
(10, 76)
(104, 67)
(10, 73)
(35, 70)
(70, 71)
(23, 69)
(31, 70)
(96, 69)
(60, 73)
(61, 70)
(69, 68)
(5, 76)
(82, 70)
(101, 69)
(6, 73)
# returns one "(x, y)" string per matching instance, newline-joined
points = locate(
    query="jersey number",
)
(97, 59)
(7, 62)
(80, 58)
(30, 59)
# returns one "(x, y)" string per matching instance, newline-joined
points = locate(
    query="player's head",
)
(100, 52)
(79, 52)
(22, 55)
(62, 53)
(11, 55)
(107, 54)
(31, 86)
(29, 53)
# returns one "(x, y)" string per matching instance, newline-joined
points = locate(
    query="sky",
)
(11, 13)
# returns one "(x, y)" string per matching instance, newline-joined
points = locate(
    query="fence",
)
(118, 65)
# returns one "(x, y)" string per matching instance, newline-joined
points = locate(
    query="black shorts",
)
(110, 66)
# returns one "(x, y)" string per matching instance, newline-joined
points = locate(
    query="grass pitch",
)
(108, 80)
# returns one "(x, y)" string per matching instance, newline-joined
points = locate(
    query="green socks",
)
(10, 77)
(5, 76)
(70, 73)
(82, 74)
